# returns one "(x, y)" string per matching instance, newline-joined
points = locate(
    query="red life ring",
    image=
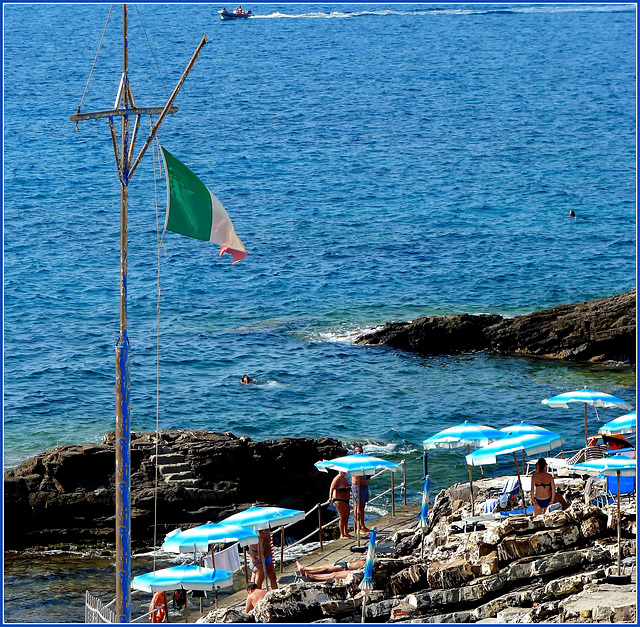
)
(157, 608)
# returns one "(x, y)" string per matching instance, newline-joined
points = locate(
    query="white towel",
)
(228, 560)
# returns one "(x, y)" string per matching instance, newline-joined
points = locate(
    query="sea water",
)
(379, 162)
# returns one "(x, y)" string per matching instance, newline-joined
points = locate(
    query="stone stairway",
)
(174, 469)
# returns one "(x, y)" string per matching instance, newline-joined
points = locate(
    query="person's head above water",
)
(357, 449)
(247, 379)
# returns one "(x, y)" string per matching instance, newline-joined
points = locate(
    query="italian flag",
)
(192, 210)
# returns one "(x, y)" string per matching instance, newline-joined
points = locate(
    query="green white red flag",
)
(192, 210)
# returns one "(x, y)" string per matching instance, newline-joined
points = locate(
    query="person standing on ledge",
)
(360, 491)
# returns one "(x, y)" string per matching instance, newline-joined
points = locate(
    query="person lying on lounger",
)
(339, 570)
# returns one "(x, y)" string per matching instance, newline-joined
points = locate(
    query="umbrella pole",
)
(320, 526)
(281, 549)
(264, 566)
(586, 437)
(186, 607)
(619, 548)
(166, 609)
(364, 604)
(356, 521)
(246, 570)
(473, 513)
(524, 503)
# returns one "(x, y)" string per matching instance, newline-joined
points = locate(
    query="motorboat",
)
(236, 14)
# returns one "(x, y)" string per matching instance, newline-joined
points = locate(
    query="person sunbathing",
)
(339, 570)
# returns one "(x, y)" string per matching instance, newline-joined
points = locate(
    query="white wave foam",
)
(341, 336)
(452, 11)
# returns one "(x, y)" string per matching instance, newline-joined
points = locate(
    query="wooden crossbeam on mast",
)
(124, 108)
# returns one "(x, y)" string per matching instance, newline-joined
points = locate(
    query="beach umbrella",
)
(258, 518)
(528, 443)
(622, 424)
(610, 466)
(424, 510)
(466, 434)
(264, 517)
(367, 581)
(199, 538)
(587, 397)
(357, 465)
(522, 428)
(185, 577)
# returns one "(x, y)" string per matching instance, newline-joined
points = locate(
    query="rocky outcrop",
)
(551, 568)
(597, 331)
(67, 495)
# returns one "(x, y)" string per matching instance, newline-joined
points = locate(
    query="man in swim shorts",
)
(339, 570)
(360, 492)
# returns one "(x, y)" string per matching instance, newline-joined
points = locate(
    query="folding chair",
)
(507, 496)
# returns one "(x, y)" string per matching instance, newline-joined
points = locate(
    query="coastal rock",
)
(515, 547)
(67, 495)
(596, 331)
(300, 601)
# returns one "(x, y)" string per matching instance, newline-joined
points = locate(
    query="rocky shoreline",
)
(66, 496)
(598, 331)
(548, 569)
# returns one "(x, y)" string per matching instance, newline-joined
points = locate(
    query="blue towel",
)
(516, 512)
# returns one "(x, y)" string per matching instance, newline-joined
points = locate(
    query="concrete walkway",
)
(332, 551)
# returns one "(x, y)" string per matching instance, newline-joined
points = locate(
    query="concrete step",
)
(168, 458)
(180, 477)
(172, 469)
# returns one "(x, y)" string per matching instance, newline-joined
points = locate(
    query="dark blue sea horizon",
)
(380, 162)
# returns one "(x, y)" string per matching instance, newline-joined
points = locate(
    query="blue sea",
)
(380, 162)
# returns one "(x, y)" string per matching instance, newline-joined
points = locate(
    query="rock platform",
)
(598, 331)
(553, 568)
(65, 497)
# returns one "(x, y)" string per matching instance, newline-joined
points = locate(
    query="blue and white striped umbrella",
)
(590, 397)
(609, 466)
(622, 424)
(424, 510)
(202, 536)
(587, 397)
(522, 428)
(367, 580)
(186, 577)
(465, 434)
(530, 443)
(264, 517)
(358, 465)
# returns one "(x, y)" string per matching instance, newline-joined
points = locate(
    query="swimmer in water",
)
(247, 379)
(572, 213)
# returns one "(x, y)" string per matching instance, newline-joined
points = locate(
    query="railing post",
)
(320, 525)
(393, 494)
(404, 480)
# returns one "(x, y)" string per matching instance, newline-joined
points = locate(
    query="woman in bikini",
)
(339, 494)
(543, 488)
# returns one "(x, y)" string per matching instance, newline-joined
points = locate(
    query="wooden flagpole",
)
(122, 383)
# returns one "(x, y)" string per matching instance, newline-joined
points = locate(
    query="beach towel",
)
(228, 560)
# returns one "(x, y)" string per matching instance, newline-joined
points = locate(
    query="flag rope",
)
(156, 155)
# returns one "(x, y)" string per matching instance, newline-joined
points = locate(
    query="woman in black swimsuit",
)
(339, 494)
(543, 488)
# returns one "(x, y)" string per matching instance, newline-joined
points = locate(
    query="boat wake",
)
(506, 9)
